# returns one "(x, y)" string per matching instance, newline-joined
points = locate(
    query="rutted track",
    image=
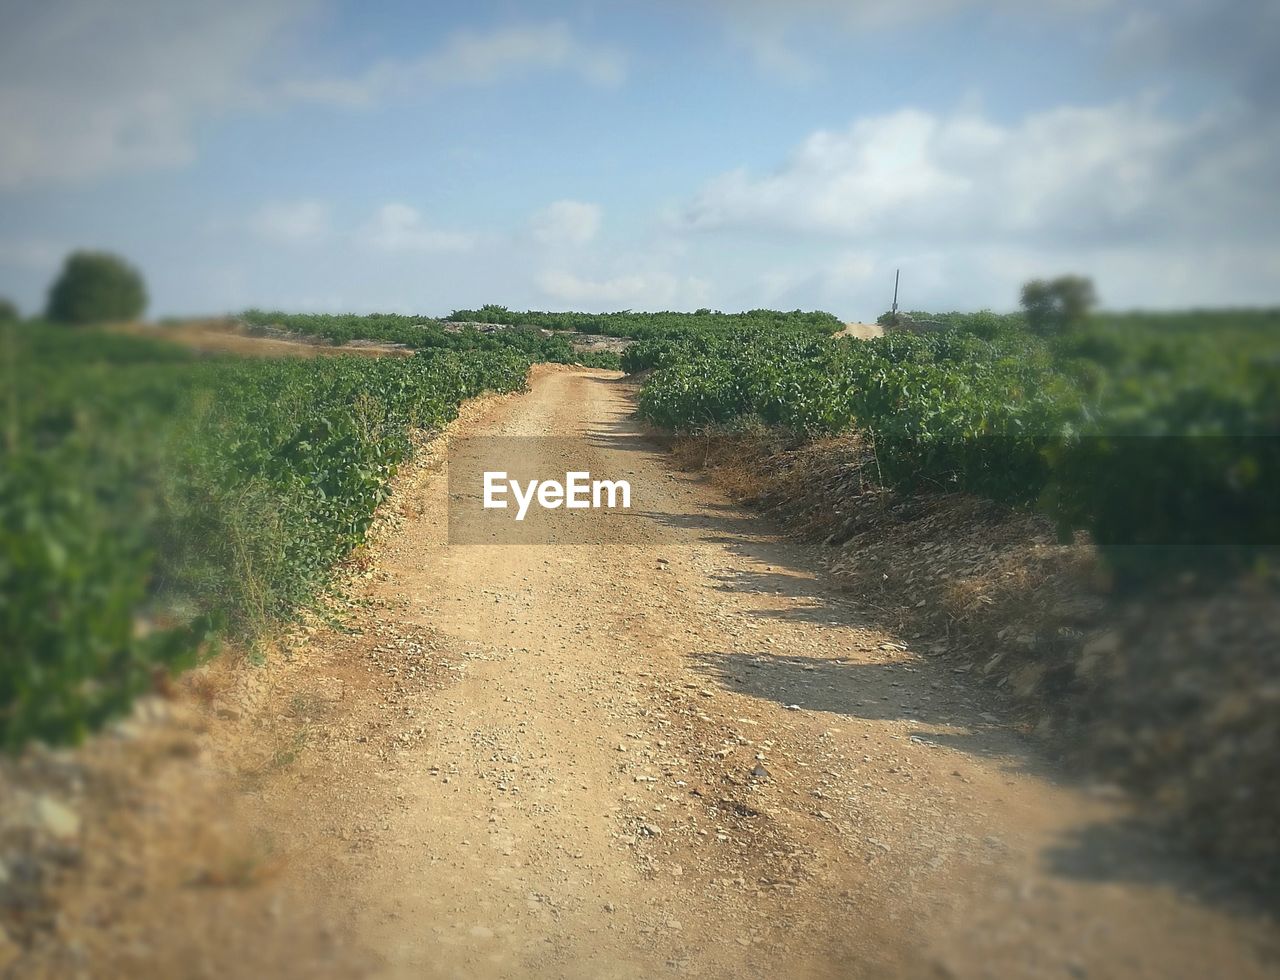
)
(581, 800)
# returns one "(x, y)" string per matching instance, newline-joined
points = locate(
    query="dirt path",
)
(682, 754)
(685, 755)
(862, 331)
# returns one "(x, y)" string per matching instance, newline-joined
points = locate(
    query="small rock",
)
(126, 730)
(55, 819)
(759, 772)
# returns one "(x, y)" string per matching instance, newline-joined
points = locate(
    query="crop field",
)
(1150, 430)
(200, 496)
(158, 503)
(151, 500)
(154, 500)
(646, 326)
(422, 333)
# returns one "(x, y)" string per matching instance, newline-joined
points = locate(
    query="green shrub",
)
(147, 496)
(96, 287)
(667, 324)
(1156, 433)
(1056, 306)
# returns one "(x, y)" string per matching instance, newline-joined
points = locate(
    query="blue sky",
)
(317, 155)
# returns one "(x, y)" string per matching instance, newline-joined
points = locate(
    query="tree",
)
(96, 286)
(1056, 306)
(8, 311)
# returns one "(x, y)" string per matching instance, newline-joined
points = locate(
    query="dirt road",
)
(683, 754)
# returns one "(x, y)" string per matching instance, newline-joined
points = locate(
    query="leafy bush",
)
(1055, 306)
(96, 287)
(1155, 433)
(648, 326)
(423, 333)
(8, 311)
(148, 496)
(71, 585)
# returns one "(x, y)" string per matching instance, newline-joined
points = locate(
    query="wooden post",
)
(896, 274)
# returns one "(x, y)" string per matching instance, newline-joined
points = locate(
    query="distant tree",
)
(8, 311)
(1056, 306)
(96, 286)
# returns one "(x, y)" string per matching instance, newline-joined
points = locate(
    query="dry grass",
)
(225, 336)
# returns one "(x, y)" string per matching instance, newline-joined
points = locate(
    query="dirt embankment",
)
(862, 331)
(692, 751)
(1172, 693)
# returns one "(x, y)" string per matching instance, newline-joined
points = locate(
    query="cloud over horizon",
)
(1077, 174)
(147, 73)
(743, 152)
(572, 223)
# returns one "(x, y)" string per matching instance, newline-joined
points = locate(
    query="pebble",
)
(55, 819)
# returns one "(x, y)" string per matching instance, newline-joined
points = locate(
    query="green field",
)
(1155, 432)
(151, 500)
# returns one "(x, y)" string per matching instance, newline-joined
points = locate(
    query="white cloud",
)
(398, 227)
(1101, 175)
(635, 290)
(567, 223)
(470, 59)
(1228, 41)
(88, 88)
(766, 28)
(859, 15)
(292, 222)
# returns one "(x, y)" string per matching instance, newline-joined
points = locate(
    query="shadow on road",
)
(907, 690)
